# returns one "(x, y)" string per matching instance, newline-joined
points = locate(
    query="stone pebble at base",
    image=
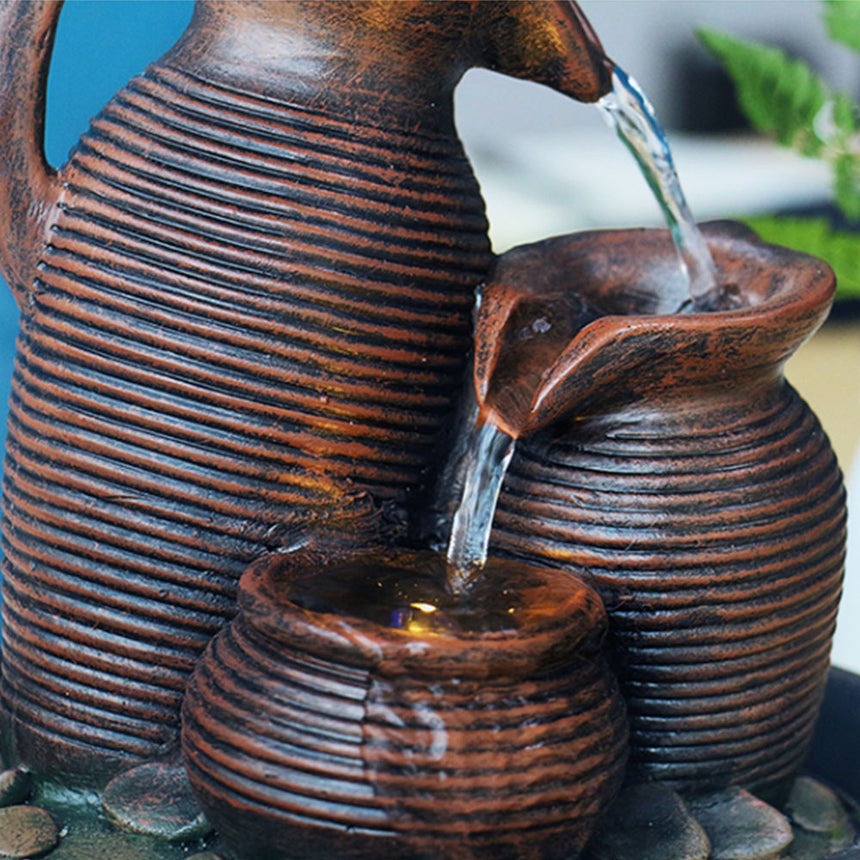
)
(822, 825)
(15, 786)
(33, 832)
(155, 798)
(740, 826)
(92, 837)
(816, 808)
(649, 821)
(26, 832)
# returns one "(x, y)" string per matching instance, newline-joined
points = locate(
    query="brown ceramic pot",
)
(683, 477)
(313, 728)
(246, 296)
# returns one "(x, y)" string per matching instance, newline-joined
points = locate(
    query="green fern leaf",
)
(846, 184)
(781, 97)
(814, 236)
(845, 113)
(842, 19)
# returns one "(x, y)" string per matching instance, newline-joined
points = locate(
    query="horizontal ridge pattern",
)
(308, 743)
(719, 555)
(247, 313)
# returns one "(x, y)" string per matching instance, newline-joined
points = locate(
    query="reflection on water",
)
(410, 591)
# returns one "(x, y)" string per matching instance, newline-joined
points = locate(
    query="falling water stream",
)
(488, 453)
(489, 447)
(628, 111)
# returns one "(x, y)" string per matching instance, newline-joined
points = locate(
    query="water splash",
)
(627, 110)
(488, 455)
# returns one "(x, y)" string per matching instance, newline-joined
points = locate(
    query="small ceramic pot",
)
(314, 728)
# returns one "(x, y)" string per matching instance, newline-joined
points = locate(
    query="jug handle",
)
(29, 187)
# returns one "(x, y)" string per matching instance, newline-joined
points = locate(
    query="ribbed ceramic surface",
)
(245, 311)
(718, 548)
(286, 748)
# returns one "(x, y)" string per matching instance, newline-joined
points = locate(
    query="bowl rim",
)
(575, 625)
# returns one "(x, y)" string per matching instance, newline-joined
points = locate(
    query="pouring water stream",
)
(489, 448)
(488, 454)
(628, 111)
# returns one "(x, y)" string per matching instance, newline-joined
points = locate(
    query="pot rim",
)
(788, 295)
(573, 620)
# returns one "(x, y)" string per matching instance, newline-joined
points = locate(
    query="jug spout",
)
(586, 323)
(551, 43)
(391, 63)
(28, 186)
(385, 63)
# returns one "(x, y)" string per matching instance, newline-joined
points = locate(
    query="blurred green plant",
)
(785, 99)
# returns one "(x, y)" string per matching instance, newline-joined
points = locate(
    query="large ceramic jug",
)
(247, 295)
(681, 475)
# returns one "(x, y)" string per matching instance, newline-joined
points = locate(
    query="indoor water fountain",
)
(246, 315)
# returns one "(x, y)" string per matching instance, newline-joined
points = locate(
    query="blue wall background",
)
(99, 47)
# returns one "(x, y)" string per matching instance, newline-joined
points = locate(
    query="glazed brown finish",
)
(310, 734)
(693, 488)
(28, 186)
(639, 349)
(390, 63)
(246, 299)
